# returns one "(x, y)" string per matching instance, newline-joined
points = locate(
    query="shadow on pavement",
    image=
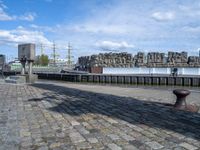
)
(77, 102)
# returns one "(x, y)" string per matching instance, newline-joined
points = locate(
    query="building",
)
(155, 59)
(177, 59)
(124, 60)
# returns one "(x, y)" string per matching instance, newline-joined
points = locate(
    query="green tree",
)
(44, 60)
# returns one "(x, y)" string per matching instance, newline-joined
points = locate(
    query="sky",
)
(95, 26)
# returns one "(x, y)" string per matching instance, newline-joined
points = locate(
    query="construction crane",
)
(54, 55)
(44, 47)
(69, 56)
(41, 49)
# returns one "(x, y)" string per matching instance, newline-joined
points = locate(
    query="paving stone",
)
(179, 148)
(127, 137)
(76, 137)
(136, 143)
(188, 146)
(154, 145)
(98, 146)
(83, 131)
(43, 148)
(55, 145)
(83, 145)
(92, 140)
(74, 123)
(60, 135)
(112, 121)
(121, 142)
(114, 137)
(129, 147)
(174, 139)
(76, 116)
(113, 146)
(169, 144)
(25, 134)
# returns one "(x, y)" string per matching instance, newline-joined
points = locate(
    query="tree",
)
(42, 60)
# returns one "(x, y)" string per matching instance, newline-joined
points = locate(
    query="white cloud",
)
(191, 30)
(116, 19)
(29, 16)
(43, 28)
(22, 35)
(122, 21)
(190, 11)
(102, 28)
(114, 45)
(163, 16)
(2, 5)
(4, 16)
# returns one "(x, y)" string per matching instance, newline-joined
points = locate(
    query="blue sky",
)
(92, 26)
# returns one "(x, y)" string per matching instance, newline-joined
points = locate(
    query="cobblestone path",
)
(53, 116)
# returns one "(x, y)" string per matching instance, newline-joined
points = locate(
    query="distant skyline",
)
(93, 25)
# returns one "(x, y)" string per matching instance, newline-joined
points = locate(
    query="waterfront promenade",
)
(61, 115)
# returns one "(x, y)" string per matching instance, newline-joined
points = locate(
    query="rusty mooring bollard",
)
(181, 95)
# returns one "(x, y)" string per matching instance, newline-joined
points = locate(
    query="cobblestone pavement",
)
(72, 116)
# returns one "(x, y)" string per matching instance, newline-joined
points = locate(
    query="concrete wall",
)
(148, 71)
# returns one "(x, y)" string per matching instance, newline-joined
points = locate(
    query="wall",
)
(125, 79)
(148, 71)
